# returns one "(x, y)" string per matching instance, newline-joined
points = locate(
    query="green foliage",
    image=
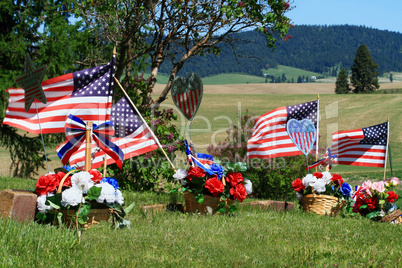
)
(342, 85)
(364, 72)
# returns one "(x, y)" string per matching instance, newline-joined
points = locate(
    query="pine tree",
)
(342, 85)
(391, 79)
(364, 71)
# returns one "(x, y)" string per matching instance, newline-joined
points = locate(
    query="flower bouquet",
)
(213, 189)
(376, 200)
(82, 198)
(322, 193)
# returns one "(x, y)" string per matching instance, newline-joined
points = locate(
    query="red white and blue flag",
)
(76, 136)
(270, 137)
(362, 147)
(86, 94)
(130, 134)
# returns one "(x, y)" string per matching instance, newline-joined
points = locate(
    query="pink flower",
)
(366, 186)
(378, 186)
(394, 181)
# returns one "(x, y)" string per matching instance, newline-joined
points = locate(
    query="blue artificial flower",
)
(346, 190)
(111, 181)
(217, 169)
(68, 168)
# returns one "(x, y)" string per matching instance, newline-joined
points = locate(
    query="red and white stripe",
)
(54, 113)
(270, 138)
(137, 143)
(346, 145)
(188, 101)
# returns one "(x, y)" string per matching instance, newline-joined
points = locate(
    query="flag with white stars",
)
(131, 135)
(270, 138)
(86, 94)
(362, 147)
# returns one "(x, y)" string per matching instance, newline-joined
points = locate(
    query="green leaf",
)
(129, 208)
(84, 210)
(53, 205)
(94, 192)
(199, 198)
(373, 214)
(41, 216)
(82, 219)
(233, 208)
(60, 218)
(56, 201)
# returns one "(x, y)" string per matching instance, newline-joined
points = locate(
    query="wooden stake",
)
(88, 146)
(104, 165)
(145, 123)
(386, 149)
(318, 130)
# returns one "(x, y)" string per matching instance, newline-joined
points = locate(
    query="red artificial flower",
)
(318, 175)
(46, 184)
(67, 182)
(392, 197)
(297, 185)
(241, 4)
(97, 176)
(195, 172)
(372, 202)
(360, 200)
(239, 192)
(337, 179)
(234, 178)
(214, 186)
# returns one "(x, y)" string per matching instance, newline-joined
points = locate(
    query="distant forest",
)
(320, 49)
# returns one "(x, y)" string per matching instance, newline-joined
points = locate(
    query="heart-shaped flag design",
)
(302, 133)
(187, 94)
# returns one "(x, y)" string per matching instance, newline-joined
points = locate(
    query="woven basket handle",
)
(64, 178)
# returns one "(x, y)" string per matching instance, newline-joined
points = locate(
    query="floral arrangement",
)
(375, 200)
(80, 191)
(228, 183)
(322, 183)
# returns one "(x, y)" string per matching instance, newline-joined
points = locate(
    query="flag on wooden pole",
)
(131, 136)
(86, 94)
(270, 137)
(362, 147)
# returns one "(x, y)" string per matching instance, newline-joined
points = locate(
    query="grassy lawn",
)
(250, 237)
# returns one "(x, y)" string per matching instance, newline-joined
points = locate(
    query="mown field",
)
(249, 237)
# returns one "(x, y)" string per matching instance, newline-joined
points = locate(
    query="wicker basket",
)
(393, 216)
(209, 205)
(95, 216)
(321, 204)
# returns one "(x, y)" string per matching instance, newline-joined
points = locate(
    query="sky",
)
(378, 14)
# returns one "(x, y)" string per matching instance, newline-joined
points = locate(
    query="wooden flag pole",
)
(386, 149)
(104, 165)
(88, 146)
(318, 130)
(143, 120)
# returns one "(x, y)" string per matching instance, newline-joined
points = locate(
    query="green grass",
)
(250, 237)
(290, 73)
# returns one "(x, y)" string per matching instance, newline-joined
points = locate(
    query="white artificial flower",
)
(299, 196)
(41, 203)
(309, 180)
(326, 176)
(82, 180)
(319, 186)
(108, 193)
(119, 197)
(249, 186)
(180, 175)
(72, 196)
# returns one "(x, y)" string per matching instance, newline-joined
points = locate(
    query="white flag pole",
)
(318, 129)
(143, 120)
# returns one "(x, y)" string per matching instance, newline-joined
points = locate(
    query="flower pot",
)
(321, 204)
(209, 205)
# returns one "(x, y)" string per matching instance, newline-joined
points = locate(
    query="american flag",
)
(362, 147)
(188, 101)
(270, 138)
(131, 135)
(86, 94)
